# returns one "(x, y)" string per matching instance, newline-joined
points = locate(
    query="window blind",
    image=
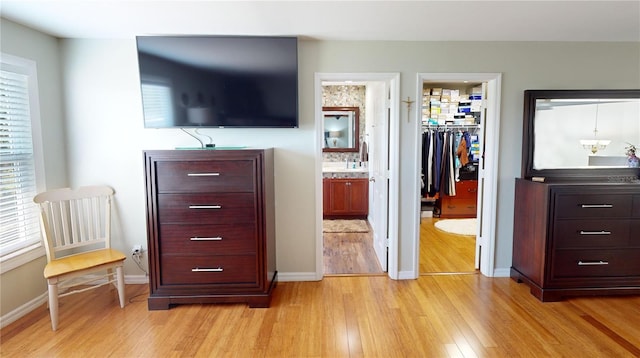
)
(19, 225)
(157, 103)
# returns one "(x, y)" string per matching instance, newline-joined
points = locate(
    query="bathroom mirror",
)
(580, 133)
(341, 128)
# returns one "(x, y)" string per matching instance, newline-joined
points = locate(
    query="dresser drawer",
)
(206, 176)
(467, 189)
(586, 233)
(596, 263)
(461, 205)
(238, 269)
(592, 205)
(458, 206)
(208, 239)
(636, 207)
(222, 208)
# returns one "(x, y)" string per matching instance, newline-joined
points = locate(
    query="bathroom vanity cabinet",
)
(345, 197)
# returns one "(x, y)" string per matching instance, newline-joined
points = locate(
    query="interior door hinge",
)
(386, 242)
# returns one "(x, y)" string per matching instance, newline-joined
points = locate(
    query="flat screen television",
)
(219, 81)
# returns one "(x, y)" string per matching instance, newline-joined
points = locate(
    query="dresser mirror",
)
(341, 127)
(580, 133)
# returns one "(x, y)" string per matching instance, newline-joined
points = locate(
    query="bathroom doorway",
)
(376, 96)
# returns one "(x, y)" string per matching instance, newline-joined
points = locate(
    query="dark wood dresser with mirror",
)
(577, 204)
(210, 226)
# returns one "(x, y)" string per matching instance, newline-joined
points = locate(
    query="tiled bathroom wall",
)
(344, 96)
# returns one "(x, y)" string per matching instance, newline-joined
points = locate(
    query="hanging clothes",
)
(425, 172)
(439, 158)
(462, 151)
(447, 172)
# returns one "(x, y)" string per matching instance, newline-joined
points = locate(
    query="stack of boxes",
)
(441, 106)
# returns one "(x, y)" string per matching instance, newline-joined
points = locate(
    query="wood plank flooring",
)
(349, 254)
(440, 252)
(349, 316)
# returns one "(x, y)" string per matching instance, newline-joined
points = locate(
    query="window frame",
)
(31, 251)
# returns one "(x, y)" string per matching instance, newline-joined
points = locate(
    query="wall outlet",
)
(136, 250)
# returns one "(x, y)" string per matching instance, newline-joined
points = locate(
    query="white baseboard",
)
(296, 276)
(406, 275)
(502, 272)
(136, 279)
(23, 310)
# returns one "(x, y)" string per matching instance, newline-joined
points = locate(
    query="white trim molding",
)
(23, 310)
(489, 194)
(18, 258)
(392, 82)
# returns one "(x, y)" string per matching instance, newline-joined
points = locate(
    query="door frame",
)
(392, 80)
(488, 187)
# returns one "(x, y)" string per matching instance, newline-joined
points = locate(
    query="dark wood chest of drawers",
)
(462, 205)
(211, 226)
(577, 239)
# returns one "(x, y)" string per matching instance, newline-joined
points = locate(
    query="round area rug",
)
(458, 226)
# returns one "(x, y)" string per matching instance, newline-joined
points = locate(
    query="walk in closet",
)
(452, 117)
(451, 137)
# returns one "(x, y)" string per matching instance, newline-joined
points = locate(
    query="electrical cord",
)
(136, 259)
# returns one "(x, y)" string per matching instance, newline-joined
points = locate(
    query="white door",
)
(377, 139)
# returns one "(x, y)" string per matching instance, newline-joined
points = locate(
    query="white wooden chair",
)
(76, 230)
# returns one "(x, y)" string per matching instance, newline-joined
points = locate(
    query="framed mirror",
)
(580, 133)
(341, 127)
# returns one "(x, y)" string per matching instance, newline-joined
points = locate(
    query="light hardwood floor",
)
(440, 252)
(341, 316)
(372, 316)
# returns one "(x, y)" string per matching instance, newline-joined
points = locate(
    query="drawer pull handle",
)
(197, 269)
(595, 232)
(596, 206)
(592, 263)
(205, 207)
(203, 174)
(206, 238)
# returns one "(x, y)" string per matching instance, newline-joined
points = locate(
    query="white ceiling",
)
(449, 20)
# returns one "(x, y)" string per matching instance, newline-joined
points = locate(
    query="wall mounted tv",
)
(219, 81)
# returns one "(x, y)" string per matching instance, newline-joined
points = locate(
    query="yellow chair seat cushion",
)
(82, 261)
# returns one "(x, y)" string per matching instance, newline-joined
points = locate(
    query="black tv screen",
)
(219, 81)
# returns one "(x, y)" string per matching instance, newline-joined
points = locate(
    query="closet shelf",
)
(452, 126)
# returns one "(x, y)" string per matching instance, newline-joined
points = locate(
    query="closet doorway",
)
(372, 94)
(458, 140)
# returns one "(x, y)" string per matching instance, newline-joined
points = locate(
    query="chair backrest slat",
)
(72, 219)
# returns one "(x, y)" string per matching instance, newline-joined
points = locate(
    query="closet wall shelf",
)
(451, 126)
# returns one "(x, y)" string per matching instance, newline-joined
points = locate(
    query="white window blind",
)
(19, 226)
(157, 104)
